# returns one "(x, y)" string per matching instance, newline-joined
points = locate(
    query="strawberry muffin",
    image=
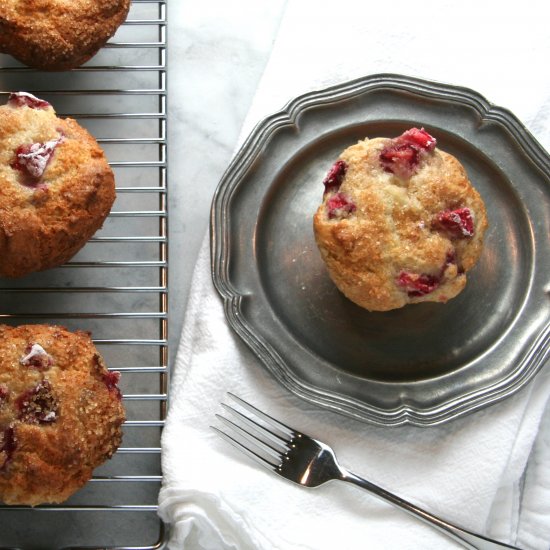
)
(56, 186)
(58, 34)
(61, 413)
(400, 222)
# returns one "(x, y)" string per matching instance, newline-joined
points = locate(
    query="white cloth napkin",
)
(489, 471)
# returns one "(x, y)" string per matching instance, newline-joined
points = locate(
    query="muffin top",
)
(58, 34)
(60, 413)
(56, 186)
(399, 223)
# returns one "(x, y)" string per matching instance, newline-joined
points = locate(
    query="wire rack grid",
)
(116, 287)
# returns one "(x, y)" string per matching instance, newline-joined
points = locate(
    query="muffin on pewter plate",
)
(58, 34)
(56, 186)
(400, 222)
(61, 413)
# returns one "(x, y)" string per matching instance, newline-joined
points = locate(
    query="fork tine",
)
(287, 430)
(275, 453)
(251, 454)
(258, 428)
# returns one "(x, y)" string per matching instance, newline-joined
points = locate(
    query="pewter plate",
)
(423, 364)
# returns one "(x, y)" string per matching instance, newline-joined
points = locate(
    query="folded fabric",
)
(468, 471)
(464, 43)
(488, 471)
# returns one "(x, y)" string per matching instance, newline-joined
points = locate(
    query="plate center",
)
(416, 342)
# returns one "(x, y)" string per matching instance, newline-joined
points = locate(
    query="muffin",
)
(56, 34)
(400, 222)
(60, 413)
(56, 186)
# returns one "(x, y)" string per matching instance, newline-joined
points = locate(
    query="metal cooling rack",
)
(116, 287)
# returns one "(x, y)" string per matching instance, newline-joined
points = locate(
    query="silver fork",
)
(310, 463)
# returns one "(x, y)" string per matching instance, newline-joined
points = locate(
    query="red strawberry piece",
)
(36, 356)
(38, 405)
(458, 223)
(400, 160)
(7, 446)
(417, 284)
(111, 380)
(32, 159)
(340, 206)
(402, 156)
(335, 175)
(418, 138)
(24, 99)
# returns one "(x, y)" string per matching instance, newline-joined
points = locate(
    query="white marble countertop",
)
(215, 60)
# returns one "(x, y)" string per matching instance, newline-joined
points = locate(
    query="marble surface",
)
(215, 60)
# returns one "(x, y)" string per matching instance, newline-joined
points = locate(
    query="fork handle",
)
(466, 538)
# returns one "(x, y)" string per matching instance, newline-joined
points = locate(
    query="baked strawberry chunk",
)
(335, 175)
(418, 284)
(4, 393)
(418, 138)
(38, 405)
(32, 159)
(404, 153)
(457, 223)
(421, 284)
(111, 380)
(400, 160)
(24, 99)
(340, 206)
(36, 356)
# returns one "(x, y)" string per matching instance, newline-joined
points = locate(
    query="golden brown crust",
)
(44, 224)
(391, 231)
(48, 452)
(58, 34)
